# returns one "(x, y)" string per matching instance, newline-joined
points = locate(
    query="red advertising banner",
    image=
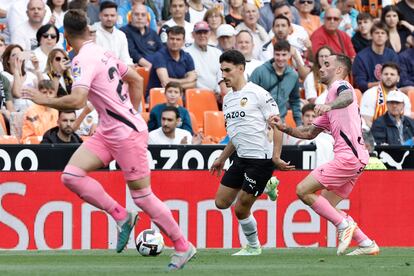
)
(38, 212)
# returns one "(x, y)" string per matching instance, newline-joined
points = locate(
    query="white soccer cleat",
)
(249, 251)
(373, 249)
(345, 237)
(179, 259)
(271, 188)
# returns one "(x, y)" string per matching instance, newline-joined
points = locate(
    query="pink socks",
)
(160, 215)
(91, 191)
(322, 207)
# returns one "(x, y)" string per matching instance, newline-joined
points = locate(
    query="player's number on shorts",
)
(111, 73)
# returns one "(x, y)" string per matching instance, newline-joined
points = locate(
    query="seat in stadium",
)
(194, 124)
(214, 124)
(289, 120)
(34, 140)
(411, 96)
(157, 96)
(144, 73)
(8, 139)
(200, 100)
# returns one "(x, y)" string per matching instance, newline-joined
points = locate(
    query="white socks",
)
(249, 227)
(344, 224)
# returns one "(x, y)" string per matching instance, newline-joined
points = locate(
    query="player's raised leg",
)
(306, 192)
(76, 179)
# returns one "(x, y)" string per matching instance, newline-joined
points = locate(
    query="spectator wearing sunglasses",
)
(47, 37)
(307, 20)
(58, 70)
(329, 34)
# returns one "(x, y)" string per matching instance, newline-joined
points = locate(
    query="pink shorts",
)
(130, 153)
(338, 176)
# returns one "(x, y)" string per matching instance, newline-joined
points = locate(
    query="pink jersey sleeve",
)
(82, 73)
(322, 122)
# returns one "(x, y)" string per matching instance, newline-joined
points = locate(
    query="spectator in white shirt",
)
(169, 134)
(58, 9)
(25, 33)
(245, 44)
(178, 8)
(108, 36)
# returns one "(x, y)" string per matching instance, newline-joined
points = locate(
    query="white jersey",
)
(246, 113)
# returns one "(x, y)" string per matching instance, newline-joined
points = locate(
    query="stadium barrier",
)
(38, 212)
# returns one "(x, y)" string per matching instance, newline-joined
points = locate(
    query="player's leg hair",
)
(159, 213)
(306, 191)
(75, 178)
(359, 236)
(247, 221)
(225, 196)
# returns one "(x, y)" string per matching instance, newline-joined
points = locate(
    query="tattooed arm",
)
(343, 100)
(302, 132)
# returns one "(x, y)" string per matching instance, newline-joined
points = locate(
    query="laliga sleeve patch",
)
(342, 88)
(76, 72)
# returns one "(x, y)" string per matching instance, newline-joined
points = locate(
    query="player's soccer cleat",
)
(179, 259)
(373, 249)
(345, 237)
(124, 231)
(249, 251)
(271, 188)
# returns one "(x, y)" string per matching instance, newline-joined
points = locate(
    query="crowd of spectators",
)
(179, 43)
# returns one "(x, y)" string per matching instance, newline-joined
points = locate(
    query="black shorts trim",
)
(250, 175)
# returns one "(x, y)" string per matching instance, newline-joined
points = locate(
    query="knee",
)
(222, 204)
(241, 213)
(71, 176)
(300, 192)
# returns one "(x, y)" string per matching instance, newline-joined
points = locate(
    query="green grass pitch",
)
(303, 261)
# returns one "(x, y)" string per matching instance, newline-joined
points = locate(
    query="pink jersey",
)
(101, 73)
(345, 125)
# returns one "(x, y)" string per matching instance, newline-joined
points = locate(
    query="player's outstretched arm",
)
(302, 132)
(343, 100)
(76, 100)
(135, 87)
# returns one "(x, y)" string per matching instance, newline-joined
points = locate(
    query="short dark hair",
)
(307, 107)
(364, 16)
(175, 30)
(45, 84)
(174, 84)
(173, 109)
(75, 23)
(108, 5)
(280, 16)
(391, 8)
(67, 112)
(42, 30)
(392, 65)
(52, 6)
(281, 45)
(344, 60)
(280, 5)
(379, 26)
(234, 57)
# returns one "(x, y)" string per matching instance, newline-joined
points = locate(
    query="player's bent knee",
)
(71, 176)
(221, 204)
(300, 192)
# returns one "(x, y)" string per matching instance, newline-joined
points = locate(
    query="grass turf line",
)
(301, 261)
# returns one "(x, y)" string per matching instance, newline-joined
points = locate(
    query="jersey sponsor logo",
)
(243, 101)
(234, 114)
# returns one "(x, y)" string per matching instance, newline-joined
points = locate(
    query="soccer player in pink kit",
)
(121, 135)
(336, 179)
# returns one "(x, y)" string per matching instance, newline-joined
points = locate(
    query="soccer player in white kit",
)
(122, 135)
(246, 110)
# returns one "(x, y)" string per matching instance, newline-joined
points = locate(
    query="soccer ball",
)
(149, 243)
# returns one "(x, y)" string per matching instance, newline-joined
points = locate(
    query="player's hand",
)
(217, 167)
(321, 109)
(275, 121)
(34, 95)
(282, 165)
